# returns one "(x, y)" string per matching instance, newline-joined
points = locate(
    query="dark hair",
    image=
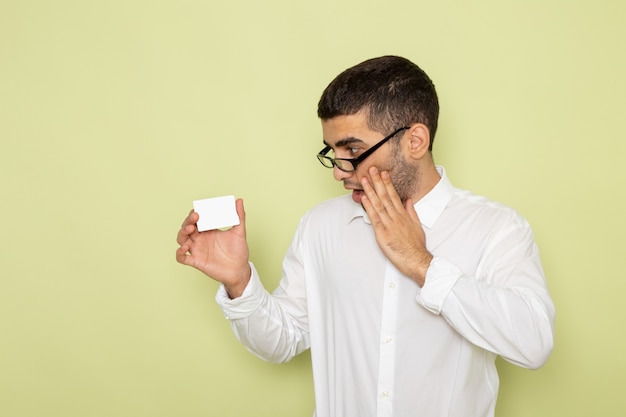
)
(391, 90)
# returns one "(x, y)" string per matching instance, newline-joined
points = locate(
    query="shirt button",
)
(392, 285)
(386, 393)
(388, 340)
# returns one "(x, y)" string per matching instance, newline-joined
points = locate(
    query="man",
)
(407, 289)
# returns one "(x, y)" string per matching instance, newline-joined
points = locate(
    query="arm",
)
(505, 309)
(274, 327)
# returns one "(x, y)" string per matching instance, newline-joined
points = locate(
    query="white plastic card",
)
(216, 213)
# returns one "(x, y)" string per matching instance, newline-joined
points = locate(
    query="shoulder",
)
(476, 207)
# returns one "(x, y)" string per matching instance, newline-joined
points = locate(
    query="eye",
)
(354, 151)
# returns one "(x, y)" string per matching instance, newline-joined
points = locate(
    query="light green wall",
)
(115, 115)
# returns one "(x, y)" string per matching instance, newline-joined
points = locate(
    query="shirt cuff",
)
(440, 279)
(247, 303)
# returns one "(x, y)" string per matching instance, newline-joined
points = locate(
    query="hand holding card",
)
(216, 213)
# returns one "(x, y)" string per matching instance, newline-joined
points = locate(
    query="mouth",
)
(357, 193)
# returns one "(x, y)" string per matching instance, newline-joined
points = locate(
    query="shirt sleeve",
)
(245, 305)
(274, 327)
(505, 307)
(440, 279)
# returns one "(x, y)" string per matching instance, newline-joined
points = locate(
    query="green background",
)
(115, 115)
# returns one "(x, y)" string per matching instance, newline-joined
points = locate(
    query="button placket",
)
(387, 359)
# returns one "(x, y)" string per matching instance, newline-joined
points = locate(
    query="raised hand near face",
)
(396, 226)
(221, 254)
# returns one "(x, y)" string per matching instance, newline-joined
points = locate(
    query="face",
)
(349, 136)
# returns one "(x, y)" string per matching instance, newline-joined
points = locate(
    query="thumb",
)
(241, 212)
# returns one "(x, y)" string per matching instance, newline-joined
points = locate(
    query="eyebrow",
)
(345, 142)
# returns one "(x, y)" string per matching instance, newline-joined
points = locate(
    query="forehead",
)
(342, 128)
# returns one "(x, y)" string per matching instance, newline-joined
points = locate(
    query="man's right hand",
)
(221, 254)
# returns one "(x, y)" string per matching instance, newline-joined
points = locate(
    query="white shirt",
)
(380, 345)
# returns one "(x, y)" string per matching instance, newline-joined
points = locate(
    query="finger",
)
(369, 208)
(192, 218)
(185, 233)
(376, 192)
(188, 228)
(385, 191)
(378, 218)
(369, 186)
(182, 255)
(241, 212)
(182, 236)
(377, 184)
(371, 200)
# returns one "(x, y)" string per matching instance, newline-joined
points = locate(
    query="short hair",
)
(391, 90)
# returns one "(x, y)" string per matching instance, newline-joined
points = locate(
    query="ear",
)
(419, 140)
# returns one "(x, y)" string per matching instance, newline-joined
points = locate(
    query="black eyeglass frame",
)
(324, 160)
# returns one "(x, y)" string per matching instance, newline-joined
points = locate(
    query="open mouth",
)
(356, 195)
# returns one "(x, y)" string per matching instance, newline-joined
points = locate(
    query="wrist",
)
(236, 289)
(422, 269)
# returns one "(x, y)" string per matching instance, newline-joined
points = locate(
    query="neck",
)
(428, 178)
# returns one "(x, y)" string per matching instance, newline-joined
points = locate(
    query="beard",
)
(404, 176)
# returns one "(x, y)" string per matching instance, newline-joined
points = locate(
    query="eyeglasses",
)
(349, 165)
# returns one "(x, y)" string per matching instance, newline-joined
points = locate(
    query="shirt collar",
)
(429, 208)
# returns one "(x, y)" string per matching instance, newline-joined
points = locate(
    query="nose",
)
(340, 175)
